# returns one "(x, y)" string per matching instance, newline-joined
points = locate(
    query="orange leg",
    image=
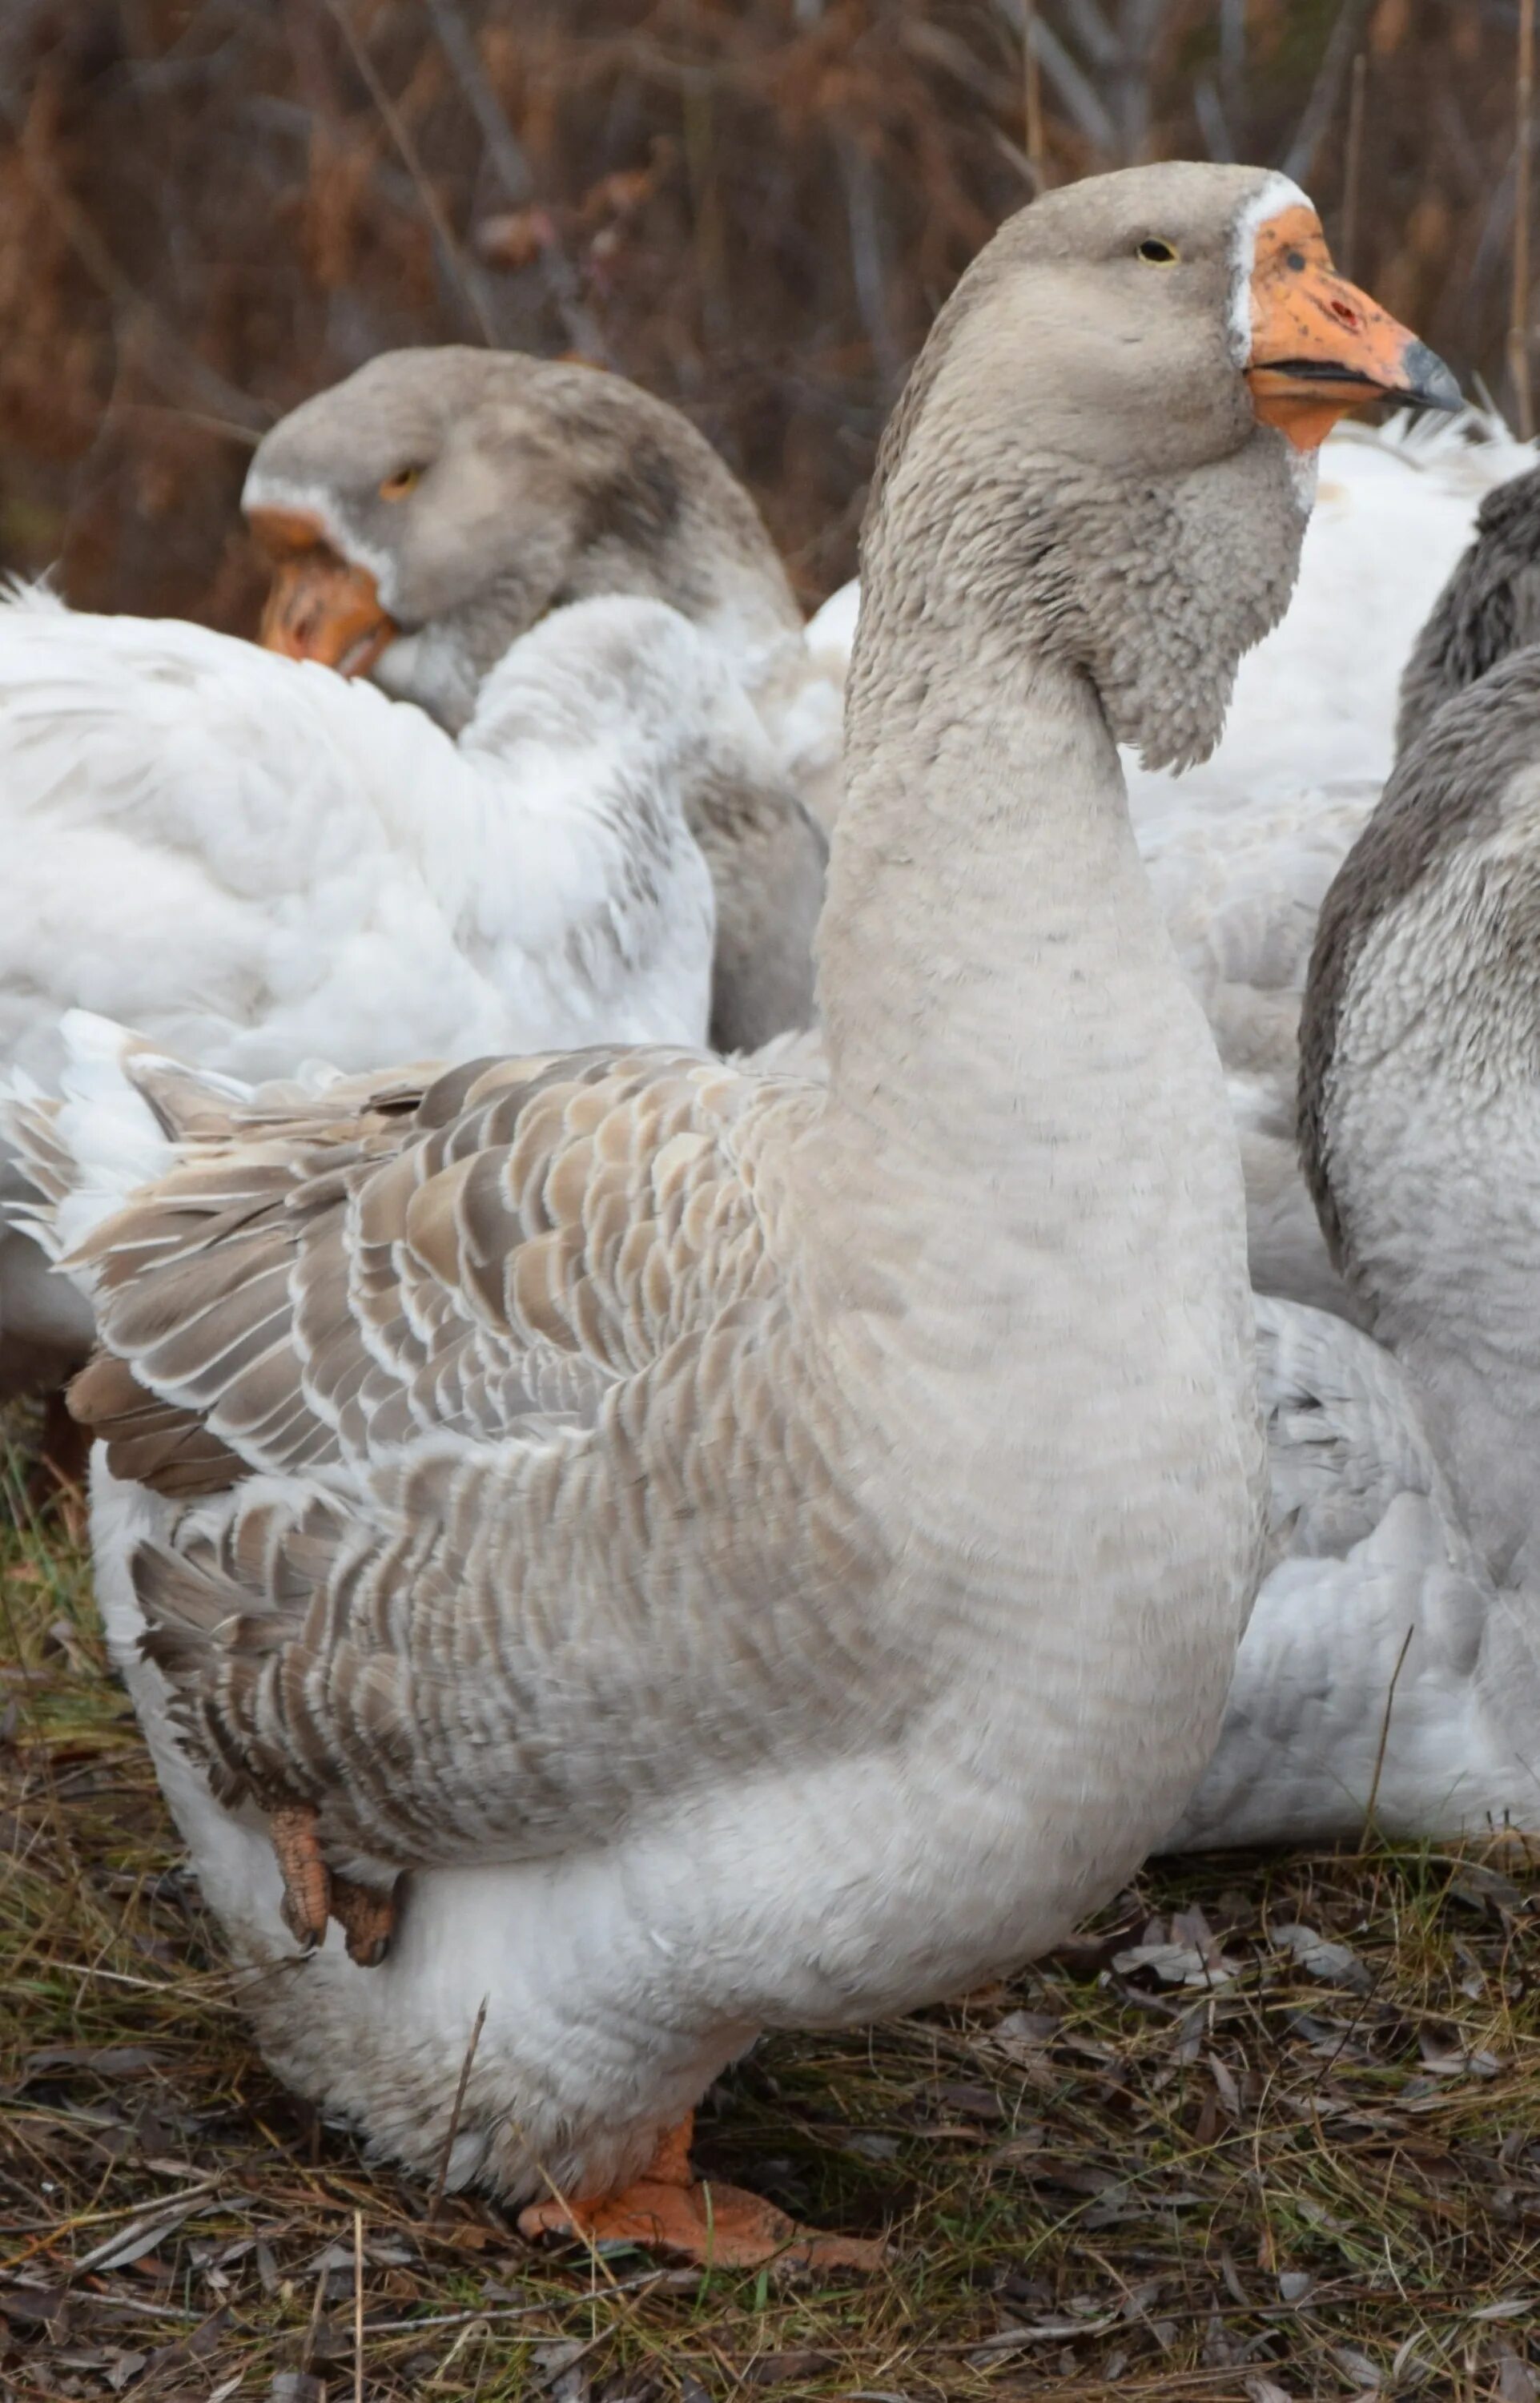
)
(669, 2210)
(307, 1881)
(368, 1920)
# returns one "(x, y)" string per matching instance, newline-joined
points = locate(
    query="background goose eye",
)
(1156, 252)
(396, 487)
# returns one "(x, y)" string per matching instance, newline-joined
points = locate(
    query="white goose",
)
(257, 863)
(1394, 1658)
(255, 866)
(752, 1553)
(427, 511)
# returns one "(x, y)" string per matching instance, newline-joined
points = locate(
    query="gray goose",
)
(1395, 1653)
(679, 1550)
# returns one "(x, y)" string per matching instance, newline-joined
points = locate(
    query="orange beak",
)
(1319, 346)
(318, 607)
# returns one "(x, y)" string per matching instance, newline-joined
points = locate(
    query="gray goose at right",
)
(680, 1549)
(1395, 1653)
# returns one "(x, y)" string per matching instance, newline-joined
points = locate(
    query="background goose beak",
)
(318, 607)
(1319, 346)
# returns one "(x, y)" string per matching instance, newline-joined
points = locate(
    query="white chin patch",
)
(1280, 192)
(1304, 475)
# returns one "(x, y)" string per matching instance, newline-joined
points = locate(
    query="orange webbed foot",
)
(368, 1920)
(669, 2210)
(307, 1880)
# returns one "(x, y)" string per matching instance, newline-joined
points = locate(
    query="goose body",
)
(747, 1551)
(257, 863)
(1403, 1626)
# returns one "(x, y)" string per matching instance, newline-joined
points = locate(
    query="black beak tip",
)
(1429, 383)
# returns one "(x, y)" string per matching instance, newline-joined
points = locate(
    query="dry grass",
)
(1193, 2157)
(209, 209)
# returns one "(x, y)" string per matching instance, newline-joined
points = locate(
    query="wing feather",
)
(457, 1390)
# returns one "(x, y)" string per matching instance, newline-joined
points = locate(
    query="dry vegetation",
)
(1274, 2129)
(209, 208)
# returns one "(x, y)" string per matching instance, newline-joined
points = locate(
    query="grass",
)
(1192, 2157)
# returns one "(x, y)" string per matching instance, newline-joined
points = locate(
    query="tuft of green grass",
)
(1272, 2128)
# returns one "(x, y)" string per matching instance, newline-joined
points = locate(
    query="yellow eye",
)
(396, 487)
(1156, 253)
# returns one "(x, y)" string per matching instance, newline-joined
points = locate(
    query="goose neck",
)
(983, 886)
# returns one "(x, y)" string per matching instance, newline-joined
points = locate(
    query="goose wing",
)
(462, 1391)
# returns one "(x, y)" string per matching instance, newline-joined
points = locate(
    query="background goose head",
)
(1490, 606)
(424, 513)
(1130, 440)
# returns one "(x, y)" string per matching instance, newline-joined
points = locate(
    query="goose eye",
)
(395, 488)
(1156, 253)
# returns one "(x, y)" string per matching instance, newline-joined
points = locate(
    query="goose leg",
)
(669, 2210)
(307, 1881)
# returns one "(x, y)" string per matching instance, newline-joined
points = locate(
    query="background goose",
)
(1386, 1678)
(757, 1552)
(426, 512)
(1403, 1469)
(257, 863)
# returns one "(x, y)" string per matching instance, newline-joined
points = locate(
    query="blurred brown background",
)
(210, 208)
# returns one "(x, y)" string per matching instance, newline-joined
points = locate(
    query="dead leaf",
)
(141, 2236)
(106, 2059)
(971, 2102)
(785, 2369)
(1354, 2364)
(1224, 2079)
(1336, 1964)
(36, 2307)
(1023, 2031)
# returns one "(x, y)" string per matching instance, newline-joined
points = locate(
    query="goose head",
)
(1114, 426)
(431, 508)
(1490, 606)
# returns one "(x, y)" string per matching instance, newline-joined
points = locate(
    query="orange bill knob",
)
(318, 607)
(1319, 346)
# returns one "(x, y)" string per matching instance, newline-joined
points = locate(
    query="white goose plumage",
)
(1387, 1681)
(257, 863)
(752, 1551)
